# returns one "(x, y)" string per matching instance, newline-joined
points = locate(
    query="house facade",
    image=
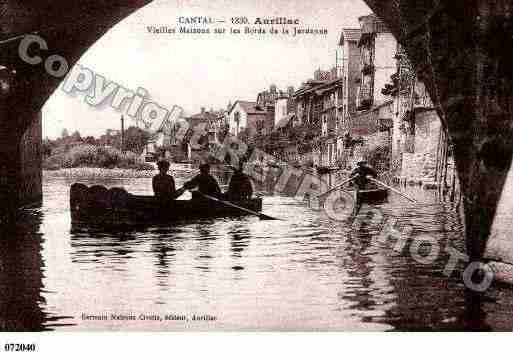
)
(247, 120)
(319, 109)
(198, 147)
(164, 140)
(351, 72)
(377, 61)
(369, 61)
(418, 142)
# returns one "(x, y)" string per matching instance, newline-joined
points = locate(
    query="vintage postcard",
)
(255, 165)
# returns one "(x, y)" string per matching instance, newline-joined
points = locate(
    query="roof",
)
(372, 24)
(350, 35)
(249, 107)
(205, 116)
(322, 87)
(369, 121)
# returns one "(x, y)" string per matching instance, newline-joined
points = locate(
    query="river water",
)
(305, 272)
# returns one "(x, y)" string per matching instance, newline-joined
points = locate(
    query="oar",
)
(179, 192)
(260, 215)
(337, 186)
(392, 189)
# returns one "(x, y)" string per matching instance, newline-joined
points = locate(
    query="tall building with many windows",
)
(377, 61)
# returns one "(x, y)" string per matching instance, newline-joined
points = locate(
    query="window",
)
(237, 122)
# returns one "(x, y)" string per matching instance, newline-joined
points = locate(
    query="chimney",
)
(203, 110)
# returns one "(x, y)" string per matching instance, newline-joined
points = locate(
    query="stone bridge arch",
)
(69, 29)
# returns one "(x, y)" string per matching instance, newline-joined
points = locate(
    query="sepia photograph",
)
(255, 166)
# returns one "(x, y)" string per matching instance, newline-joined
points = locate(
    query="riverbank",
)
(84, 155)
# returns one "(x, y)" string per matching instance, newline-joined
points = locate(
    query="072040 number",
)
(17, 347)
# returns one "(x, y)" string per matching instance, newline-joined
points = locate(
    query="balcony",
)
(365, 98)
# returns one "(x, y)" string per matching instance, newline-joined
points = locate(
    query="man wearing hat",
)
(362, 171)
(205, 183)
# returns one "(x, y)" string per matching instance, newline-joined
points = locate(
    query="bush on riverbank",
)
(95, 156)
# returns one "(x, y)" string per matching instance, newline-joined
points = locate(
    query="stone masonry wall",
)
(421, 164)
(377, 139)
(30, 171)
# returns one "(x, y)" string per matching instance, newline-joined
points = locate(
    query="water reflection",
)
(368, 287)
(240, 236)
(94, 245)
(22, 268)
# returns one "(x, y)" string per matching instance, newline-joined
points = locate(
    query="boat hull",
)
(100, 207)
(372, 196)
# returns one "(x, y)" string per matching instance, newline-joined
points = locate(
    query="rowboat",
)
(372, 196)
(115, 206)
(369, 196)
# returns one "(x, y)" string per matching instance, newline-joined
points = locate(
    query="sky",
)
(202, 70)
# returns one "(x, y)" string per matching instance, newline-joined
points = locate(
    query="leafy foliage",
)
(95, 156)
(135, 139)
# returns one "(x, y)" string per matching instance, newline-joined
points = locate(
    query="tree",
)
(90, 140)
(135, 139)
(47, 147)
(64, 133)
(75, 137)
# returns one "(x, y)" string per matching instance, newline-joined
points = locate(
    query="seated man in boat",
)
(240, 187)
(164, 184)
(205, 183)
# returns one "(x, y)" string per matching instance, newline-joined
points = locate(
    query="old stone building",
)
(351, 73)
(202, 127)
(319, 110)
(246, 120)
(166, 139)
(284, 106)
(377, 49)
(368, 112)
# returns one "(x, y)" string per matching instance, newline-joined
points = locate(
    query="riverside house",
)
(319, 112)
(198, 147)
(369, 127)
(245, 119)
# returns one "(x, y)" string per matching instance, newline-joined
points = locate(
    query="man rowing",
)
(205, 183)
(361, 181)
